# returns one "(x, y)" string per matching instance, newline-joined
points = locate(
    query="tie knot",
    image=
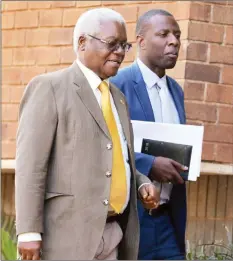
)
(103, 86)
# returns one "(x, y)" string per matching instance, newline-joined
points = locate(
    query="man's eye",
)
(112, 44)
(163, 34)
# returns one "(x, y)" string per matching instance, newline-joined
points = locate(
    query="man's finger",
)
(36, 256)
(143, 192)
(179, 166)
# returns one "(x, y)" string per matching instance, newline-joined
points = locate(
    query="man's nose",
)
(174, 40)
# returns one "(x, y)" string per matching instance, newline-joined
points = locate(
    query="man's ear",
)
(82, 43)
(141, 42)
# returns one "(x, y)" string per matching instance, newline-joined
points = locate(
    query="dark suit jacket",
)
(130, 81)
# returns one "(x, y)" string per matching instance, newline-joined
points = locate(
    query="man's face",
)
(161, 42)
(97, 55)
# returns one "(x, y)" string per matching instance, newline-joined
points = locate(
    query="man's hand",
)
(167, 170)
(30, 250)
(149, 196)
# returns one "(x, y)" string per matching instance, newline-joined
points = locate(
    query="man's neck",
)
(158, 71)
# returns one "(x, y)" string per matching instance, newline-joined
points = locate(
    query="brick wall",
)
(37, 38)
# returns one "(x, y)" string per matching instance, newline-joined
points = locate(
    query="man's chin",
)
(170, 65)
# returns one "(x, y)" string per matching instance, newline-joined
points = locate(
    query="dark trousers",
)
(157, 239)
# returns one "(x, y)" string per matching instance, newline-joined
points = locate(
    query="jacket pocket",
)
(49, 195)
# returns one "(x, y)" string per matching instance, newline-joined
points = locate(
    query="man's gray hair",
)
(90, 21)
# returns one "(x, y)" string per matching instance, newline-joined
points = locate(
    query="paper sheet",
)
(176, 133)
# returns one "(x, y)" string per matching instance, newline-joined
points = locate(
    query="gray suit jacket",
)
(61, 161)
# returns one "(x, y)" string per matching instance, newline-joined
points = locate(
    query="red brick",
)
(67, 55)
(8, 20)
(61, 36)
(219, 93)
(226, 115)
(219, 133)
(183, 51)
(184, 28)
(63, 4)
(24, 56)
(178, 72)
(200, 12)
(208, 151)
(48, 55)
(206, 32)
(31, 72)
(137, 2)
(71, 16)
(14, 5)
(197, 51)
(55, 68)
(200, 111)
(13, 38)
(227, 75)
(10, 112)
(181, 11)
(158, 5)
(194, 91)
(128, 12)
(222, 14)
(202, 72)
(131, 32)
(89, 3)
(7, 55)
(221, 54)
(9, 130)
(229, 35)
(39, 4)
(8, 150)
(6, 94)
(110, 2)
(224, 153)
(219, 2)
(26, 19)
(37, 37)
(51, 17)
(16, 94)
(11, 75)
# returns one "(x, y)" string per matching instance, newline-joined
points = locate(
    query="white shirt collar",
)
(92, 78)
(149, 77)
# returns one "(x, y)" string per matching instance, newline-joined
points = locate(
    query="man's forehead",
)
(164, 22)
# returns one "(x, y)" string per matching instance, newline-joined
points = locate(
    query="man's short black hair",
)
(145, 18)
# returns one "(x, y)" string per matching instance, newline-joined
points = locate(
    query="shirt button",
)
(105, 202)
(108, 174)
(109, 146)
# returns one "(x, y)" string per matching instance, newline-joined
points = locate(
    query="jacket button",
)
(105, 202)
(108, 174)
(109, 146)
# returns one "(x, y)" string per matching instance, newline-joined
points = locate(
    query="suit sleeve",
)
(36, 131)
(144, 162)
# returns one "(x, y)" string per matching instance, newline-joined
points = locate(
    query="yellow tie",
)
(118, 186)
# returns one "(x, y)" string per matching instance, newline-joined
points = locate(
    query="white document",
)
(175, 133)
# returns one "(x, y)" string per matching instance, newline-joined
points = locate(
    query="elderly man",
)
(75, 174)
(154, 96)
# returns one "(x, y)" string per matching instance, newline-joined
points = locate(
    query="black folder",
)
(178, 152)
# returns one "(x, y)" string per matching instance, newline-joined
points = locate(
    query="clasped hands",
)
(149, 196)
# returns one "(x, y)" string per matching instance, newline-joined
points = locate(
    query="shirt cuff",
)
(28, 237)
(143, 185)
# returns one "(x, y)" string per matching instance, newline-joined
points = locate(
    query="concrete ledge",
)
(207, 168)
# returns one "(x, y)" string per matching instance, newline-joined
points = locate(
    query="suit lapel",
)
(122, 112)
(142, 94)
(176, 99)
(88, 98)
